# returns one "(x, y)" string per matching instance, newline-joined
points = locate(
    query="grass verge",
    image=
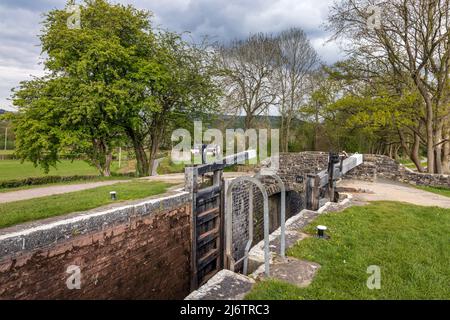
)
(437, 190)
(167, 166)
(13, 213)
(409, 243)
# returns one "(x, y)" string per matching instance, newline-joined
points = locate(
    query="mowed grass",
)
(167, 166)
(441, 191)
(409, 164)
(13, 169)
(13, 213)
(410, 244)
(65, 183)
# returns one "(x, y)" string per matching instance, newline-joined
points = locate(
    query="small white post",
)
(113, 195)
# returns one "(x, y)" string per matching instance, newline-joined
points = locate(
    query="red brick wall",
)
(148, 258)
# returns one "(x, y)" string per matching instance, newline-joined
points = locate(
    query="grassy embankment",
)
(409, 243)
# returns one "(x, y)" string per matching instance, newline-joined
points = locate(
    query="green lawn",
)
(166, 166)
(409, 164)
(437, 190)
(35, 186)
(7, 152)
(411, 245)
(34, 209)
(13, 169)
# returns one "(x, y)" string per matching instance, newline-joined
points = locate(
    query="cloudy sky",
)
(220, 19)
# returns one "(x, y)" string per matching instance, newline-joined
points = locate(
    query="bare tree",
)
(296, 59)
(247, 66)
(413, 38)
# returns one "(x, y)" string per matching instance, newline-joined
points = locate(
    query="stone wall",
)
(294, 204)
(296, 166)
(139, 251)
(293, 169)
(379, 166)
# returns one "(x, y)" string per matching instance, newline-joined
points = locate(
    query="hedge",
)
(8, 157)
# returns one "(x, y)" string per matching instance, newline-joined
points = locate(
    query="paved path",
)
(176, 178)
(391, 191)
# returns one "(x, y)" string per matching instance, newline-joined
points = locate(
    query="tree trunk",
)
(415, 157)
(287, 133)
(153, 152)
(282, 131)
(101, 157)
(396, 156)
(429, 122)
(248, 121)
(316, 131)
(438, 149)
(106, 170)
(446, 152)
(430, 145)
(142, 165)
(155, 137)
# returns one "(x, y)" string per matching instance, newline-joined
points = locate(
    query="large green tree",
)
(182, 90)
(112, 81)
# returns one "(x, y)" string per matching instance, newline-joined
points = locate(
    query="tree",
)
(386, 107)
(247, 67)
(295, 60)
(80, 104)
(183, 90)
(112, 81)
(322, 91)
(412, 41)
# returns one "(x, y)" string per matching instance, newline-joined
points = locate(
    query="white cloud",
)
(10, 77)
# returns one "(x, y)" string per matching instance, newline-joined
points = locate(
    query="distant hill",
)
(2, 111)
(259, 121)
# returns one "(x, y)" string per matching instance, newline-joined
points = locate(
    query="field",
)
(409, 243)
(13, 169)
(13, 213)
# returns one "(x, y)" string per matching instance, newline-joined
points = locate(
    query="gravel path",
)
(52, 190)
(391, 191)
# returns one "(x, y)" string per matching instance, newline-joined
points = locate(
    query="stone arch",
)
(229, 226)
(282, 190)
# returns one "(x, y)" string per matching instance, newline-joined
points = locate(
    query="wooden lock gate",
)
(207, 231)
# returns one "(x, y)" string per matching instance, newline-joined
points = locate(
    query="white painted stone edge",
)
(214, 284)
